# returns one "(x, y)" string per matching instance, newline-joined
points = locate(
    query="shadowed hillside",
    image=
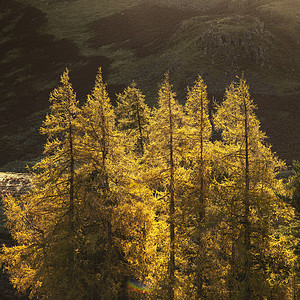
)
(134, 40)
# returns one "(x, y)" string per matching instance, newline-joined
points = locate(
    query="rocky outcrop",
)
(235, 40)
(15, 184)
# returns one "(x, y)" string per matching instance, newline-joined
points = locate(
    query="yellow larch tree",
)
(198, 158)
(248, 195)
(133, 116)
(45, 222)
(119, 218)
(164, 175)
(152, 199)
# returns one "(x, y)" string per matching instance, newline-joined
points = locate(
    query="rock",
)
(235, 38)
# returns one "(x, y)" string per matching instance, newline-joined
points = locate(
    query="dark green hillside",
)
(140, 40)
(31, 62)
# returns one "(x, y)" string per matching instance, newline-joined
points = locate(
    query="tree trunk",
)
(141, 140)
(172, 210)
(71, 207)
(247, 212)
(201, 213)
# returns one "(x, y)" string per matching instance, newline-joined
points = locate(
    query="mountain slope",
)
(140, 40)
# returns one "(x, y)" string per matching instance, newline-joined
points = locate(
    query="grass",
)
(185, 56)
(4, 13)
(289, 9)
(11, 55)
(18, 166)
(70, 20)
(183, 53)
(190, 50)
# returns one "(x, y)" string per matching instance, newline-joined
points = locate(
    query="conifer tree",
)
(163, 158)
(98, 125)
(133, 116)
(193, 218)
(133, 119)
(45, 222)
(81, 231)
(249, 190)
(100, 145)
(293, 186)
(115, 233)
(198, 133)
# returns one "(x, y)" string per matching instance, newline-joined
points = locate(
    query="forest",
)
(170, 202)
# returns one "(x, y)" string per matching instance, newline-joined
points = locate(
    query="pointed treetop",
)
(165, 92)
(64, 78)
(197, 96)
(167, 76)
(166, 80)
(200, 82)
(99, 77)
(64, 92)
(239, 89)
(133, 84)
(99, 90)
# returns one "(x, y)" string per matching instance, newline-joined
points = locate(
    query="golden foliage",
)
(130, 193)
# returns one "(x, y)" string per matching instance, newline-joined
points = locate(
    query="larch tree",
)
(133, 119)
(133, 116)
(152, 199)
(99, 147)
(163, 157)
(45, 222)
(293, 187)
(198, 155)
(252, 207)
(119, 218)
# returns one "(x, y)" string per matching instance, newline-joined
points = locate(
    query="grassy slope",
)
(71, 20)
(261, 39)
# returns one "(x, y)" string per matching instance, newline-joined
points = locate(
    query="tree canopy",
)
(139, 203)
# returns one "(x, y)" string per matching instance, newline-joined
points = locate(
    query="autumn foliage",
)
(139, 203)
